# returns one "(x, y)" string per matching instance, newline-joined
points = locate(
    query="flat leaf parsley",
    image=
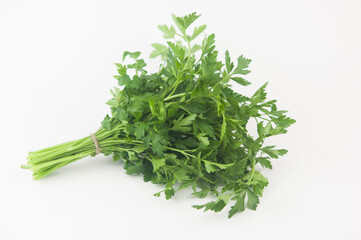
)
(183, 126)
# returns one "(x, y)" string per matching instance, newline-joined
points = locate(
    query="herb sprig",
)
(184, 126)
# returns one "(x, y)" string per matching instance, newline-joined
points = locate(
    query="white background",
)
(56, 67)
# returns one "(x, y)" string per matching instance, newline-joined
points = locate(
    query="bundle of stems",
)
(45, 161)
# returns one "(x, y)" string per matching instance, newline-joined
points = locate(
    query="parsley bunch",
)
(183, 126)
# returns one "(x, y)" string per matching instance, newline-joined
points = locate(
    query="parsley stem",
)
(189, 54)
(264, 118)
(174, 87)
(214, 182)
(253, 169)
(174, 96)
(225, 79)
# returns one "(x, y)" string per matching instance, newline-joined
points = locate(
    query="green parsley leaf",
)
(106, 123)
(252, 200)
(184, 22)
(197, 31)
(239, 205)
(140, 128)
(133, 55)
(169, 32)
(181, 123)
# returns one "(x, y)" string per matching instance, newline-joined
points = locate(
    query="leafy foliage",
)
(184, 125)
(205, 120)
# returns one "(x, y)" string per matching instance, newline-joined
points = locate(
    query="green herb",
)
(183, 125)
